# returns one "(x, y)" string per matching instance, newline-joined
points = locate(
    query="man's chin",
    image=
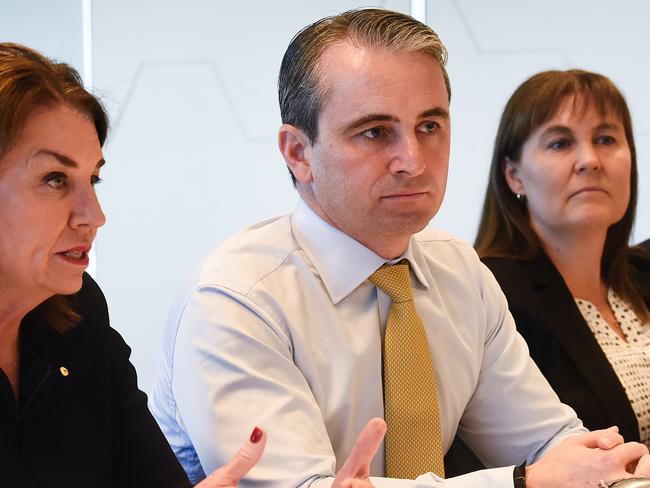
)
(401, 232)
(409, 223)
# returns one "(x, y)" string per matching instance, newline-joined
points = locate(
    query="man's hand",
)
(583, 461)
(229, 475)
(355, 471)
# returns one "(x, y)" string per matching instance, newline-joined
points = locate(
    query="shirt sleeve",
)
(233, 370)
(514, 414)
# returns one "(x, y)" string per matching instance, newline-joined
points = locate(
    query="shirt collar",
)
(342, 262)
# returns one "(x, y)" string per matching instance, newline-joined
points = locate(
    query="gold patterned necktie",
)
(413, 442)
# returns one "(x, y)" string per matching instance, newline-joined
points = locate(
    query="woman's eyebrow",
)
(65, 160)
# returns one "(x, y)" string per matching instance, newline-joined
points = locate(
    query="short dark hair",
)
(301, 90)
(504, 228)
(29, 81)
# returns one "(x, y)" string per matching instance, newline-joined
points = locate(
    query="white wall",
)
(191, 87)
(54, 27)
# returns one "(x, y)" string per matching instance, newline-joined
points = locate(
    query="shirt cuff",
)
(485, 478)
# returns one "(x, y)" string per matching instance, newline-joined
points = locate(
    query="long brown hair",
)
(504, 228)
(29, 81)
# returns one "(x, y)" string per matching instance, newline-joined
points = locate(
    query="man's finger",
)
(643, 466)
(630, 453)
(241, 463)
(369, 440)
(591, 439)
(610, 439)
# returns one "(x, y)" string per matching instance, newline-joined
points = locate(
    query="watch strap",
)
(519, 476)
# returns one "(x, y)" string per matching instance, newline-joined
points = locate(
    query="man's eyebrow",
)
(65, 160)
(355, 124)
(378, 117)
(435, 112)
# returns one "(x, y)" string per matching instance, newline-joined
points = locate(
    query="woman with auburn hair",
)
(71, 414)
(556, 222)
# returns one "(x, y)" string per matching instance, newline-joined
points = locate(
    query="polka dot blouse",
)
(630, 359)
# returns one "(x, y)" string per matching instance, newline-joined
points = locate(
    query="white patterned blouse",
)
(630, 358)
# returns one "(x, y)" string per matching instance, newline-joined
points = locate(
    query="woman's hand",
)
(229, 475)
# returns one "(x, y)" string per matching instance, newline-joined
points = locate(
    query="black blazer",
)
(645, 245)
(561, 342)
(90, 427)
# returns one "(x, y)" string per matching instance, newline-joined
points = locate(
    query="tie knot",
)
(395, 280)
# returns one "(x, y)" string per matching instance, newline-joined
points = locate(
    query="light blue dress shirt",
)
(282, 328)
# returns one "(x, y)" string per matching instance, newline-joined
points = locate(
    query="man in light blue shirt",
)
(283, 328)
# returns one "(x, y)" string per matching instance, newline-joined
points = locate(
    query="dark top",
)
(645, 245)
(90, 428)
(561, 342)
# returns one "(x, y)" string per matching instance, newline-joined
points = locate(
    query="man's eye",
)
(429, 127)
(95, 180)
(56, 180)
(374, 133)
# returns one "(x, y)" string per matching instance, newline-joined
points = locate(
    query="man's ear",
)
(511, 174)
(296, 150)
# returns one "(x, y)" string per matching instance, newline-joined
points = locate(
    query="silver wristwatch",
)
(626, 483)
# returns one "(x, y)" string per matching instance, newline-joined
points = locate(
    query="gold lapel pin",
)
(64, 371)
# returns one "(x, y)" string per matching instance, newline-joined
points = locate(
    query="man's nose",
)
(407, 158)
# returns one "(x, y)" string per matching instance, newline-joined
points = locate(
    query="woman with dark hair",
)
(556, 221)
(71, 414)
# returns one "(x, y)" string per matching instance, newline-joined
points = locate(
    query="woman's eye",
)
(605, 140)
(374, 133)
(559, 144)
(56, 180)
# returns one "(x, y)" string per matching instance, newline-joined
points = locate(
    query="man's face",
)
(378, 169)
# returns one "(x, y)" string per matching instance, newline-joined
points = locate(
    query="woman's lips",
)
(77, 255)
(589, 189)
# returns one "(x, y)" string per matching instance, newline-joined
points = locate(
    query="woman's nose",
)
(87, 211)
(588, 159)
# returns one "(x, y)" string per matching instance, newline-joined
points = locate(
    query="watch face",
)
(631, 483)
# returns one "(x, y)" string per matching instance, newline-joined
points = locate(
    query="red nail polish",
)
(256, 435)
